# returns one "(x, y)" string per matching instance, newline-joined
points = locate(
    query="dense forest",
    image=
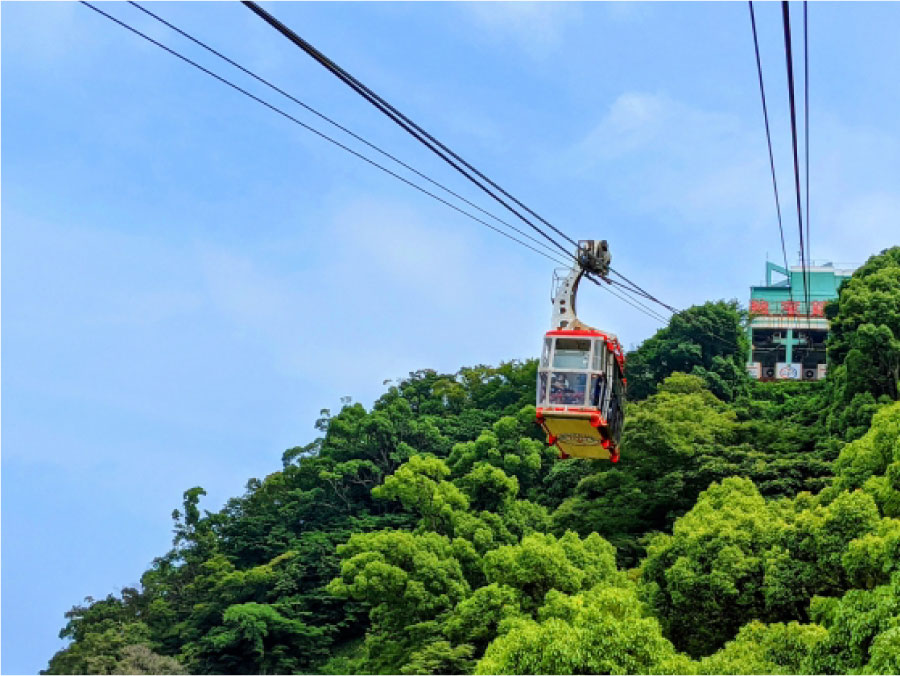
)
(749, 527)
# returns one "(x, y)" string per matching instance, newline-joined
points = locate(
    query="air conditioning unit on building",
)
(769, 372)
(810, 373)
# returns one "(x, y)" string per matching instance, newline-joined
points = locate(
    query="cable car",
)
(581, 376)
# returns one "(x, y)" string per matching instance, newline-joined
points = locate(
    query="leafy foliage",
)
(864, 344)
(862, 631)
(767, 649)
(677, 442)
(603, 631)
(750, 528)
(706, 340)
(735, 558)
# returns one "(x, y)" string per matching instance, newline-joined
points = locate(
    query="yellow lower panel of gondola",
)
(575, 436)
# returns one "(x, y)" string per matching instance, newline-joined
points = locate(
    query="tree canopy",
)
(749, 527)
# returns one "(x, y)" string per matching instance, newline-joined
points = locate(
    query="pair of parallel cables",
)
(628, 291)
(805, 259)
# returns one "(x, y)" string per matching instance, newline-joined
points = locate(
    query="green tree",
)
(256, 638)
(542, 562)
(707, 340)
(767, 649)
(705, 580)
(810, 545)
(407, 580)
(414, 536)
(100, 649)
(861, 631)
(675, 443)
(509, 445)
(477, 620)
(872, 462)
(420, 486)
(602, 631)
(139, 659)
(735, 558)
(871, 559)
(864, 344)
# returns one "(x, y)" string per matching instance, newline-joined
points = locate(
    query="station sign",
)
(786, 371)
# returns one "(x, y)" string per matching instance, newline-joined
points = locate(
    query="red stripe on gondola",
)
(576, 332)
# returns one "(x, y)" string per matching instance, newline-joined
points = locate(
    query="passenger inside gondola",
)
(568, 389)
(598, 390)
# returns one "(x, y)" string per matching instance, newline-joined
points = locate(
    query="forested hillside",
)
(749, 527)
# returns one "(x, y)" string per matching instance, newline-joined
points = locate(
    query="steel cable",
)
(409, 126)
(312, 129)
(334, 123)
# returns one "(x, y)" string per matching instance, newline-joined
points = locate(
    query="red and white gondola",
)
(581, 375)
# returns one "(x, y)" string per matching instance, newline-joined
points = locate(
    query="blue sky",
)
(187, 278)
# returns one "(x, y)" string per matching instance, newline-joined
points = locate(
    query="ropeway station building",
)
(787, 336)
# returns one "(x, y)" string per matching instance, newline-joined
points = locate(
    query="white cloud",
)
(855, 191)
(537, 27)
(695, 164)
(862, 225)
(634, 120)
(700, 179)
(705, 166)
